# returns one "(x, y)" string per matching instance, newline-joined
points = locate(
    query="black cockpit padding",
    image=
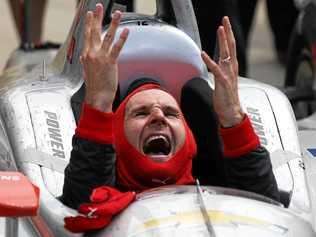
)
(76, 102)
(137, 83)
(196, 104)
(128, 3)
(285, 198)
(78, 98)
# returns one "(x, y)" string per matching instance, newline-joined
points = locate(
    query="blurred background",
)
(263, 65)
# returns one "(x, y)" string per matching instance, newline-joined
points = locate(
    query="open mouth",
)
(157, 146)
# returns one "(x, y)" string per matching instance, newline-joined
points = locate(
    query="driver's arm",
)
(253, 172)
(247, 163)
(92, 161)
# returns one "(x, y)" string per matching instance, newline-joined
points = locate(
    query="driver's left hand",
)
(225, 98)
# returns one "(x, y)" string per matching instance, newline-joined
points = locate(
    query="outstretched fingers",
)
(97, 26)
(219, 77)
(225, 99)
(110, 34)
(224, 53)
(230, 39)
(117, 47)
(87, 34)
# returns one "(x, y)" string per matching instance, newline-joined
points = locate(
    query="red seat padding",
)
(18, 196)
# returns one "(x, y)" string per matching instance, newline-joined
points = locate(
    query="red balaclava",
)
(137, 172)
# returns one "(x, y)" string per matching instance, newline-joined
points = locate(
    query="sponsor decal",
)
(9, 178)
(142, 23)
(257, 124)
(56, 141)
(312, 151)
(301, 164)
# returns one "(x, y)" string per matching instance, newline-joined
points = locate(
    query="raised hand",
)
(225, 98)
(99, 59)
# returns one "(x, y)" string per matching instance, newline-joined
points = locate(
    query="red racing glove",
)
(106, 202)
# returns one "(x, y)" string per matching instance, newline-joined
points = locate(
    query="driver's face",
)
(153, 124)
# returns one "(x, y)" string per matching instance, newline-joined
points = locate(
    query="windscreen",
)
(180, 189)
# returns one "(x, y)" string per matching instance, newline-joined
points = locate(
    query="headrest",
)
(162, 52)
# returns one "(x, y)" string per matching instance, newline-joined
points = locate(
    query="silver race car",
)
(39, 94)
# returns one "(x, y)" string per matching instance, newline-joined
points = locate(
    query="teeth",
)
(157, 145)
(156, 137)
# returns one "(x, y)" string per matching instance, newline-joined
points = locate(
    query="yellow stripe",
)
(217, 217)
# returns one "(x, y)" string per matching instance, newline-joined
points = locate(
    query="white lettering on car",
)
(56, 141)
(257, 124)
(9, 178)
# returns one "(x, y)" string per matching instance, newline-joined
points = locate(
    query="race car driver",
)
(146, 142)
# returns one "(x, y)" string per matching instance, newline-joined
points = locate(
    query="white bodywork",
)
(155, 214)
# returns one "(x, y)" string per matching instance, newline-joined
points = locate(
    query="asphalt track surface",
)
(263, 64)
